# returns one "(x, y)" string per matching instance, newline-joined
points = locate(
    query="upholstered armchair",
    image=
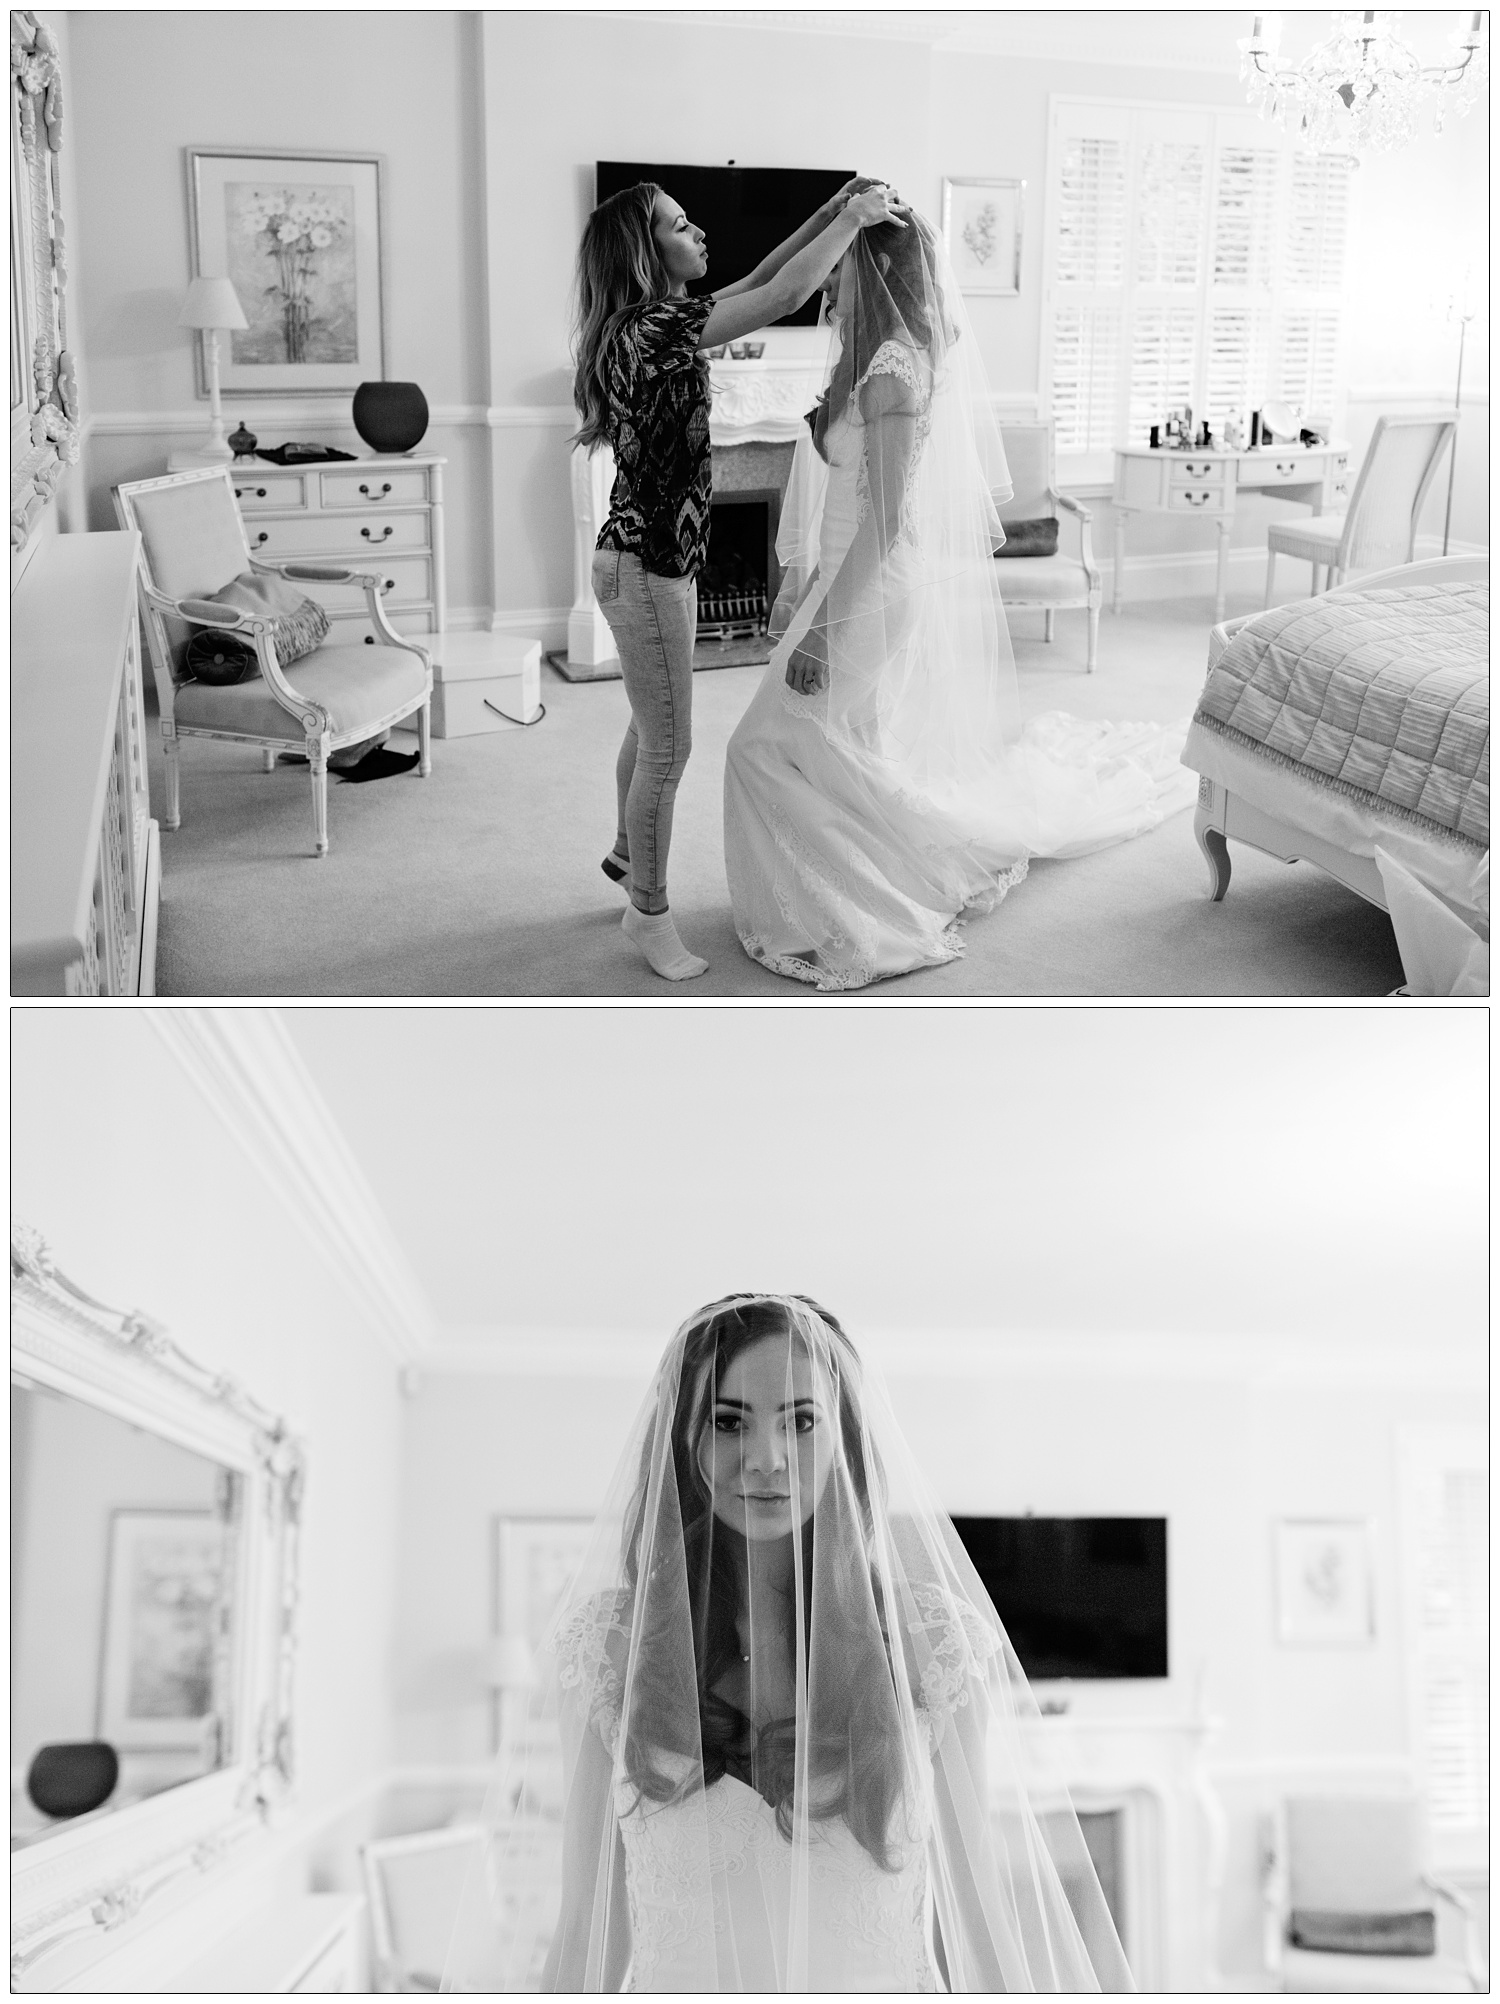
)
(1350, 1905)
(193, 544)
(1380, 527)
(1068, 578)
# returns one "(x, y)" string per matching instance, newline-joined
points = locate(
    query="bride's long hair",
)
(619, 268)
(855, 1759)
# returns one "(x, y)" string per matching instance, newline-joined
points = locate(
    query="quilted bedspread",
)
(1382, 694)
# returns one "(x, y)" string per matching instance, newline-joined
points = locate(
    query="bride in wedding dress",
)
(880, 787)
(797, 1750)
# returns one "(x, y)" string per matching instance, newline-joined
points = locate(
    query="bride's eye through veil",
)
(780, 1740)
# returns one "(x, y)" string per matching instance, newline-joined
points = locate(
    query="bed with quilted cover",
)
(1380, 695)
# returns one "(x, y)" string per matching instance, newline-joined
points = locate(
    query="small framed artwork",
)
(161, 1628)
(535, 1557)
(982, 233)
(1324, 1587)
(301, 237)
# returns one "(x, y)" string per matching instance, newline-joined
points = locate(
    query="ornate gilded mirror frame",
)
(44, 420)
(90, 1879)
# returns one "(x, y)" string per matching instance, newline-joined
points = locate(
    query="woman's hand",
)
(876, 204)
(807, 670)
(857, 186)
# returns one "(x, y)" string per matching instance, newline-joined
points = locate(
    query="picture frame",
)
(159, 1672)
(982, 234)
(1324, 1582)
(301, 235)
(535, 1557)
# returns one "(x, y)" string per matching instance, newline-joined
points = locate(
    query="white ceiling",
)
(1310, 1175)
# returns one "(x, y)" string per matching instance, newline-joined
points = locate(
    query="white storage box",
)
(483, 682)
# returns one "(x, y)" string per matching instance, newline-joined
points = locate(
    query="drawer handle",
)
(241, 492)
(389, 585)
(1286, 470)
(263, 537)
(1198, 500)
(385, 532)
(375, 497)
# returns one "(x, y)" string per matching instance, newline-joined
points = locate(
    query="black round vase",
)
(71, 1779)
(390, 417)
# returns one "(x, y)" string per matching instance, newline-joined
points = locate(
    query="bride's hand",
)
(877, 204)
(805, 672)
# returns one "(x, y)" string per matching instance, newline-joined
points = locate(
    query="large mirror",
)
(44, 419)
(154, 1513)
(123, 1624)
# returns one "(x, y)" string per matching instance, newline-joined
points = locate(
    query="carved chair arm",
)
(1084, 518)
(372, 586)
(229, 619)
(1473, 1957)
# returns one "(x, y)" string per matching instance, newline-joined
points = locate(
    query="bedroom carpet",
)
(484, 880)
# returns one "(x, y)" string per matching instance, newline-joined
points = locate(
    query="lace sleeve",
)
(958, 1644)
(894, 358)
(581, 1645)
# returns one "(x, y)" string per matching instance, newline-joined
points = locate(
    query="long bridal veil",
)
(900, 1777)
(888, 530)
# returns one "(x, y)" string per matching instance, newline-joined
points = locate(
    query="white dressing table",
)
(1160, 480)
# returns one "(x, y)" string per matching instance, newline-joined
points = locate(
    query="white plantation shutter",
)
(1192, 257)
(1445, 1530)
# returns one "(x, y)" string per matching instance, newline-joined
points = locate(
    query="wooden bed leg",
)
(1216, 854)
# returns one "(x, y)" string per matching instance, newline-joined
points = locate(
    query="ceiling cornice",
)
(1123, 1357)
(247, 1068)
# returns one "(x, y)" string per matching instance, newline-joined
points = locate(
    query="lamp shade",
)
(212, 302)
(508, 1664)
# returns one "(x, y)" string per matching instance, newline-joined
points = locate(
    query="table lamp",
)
(211, 303)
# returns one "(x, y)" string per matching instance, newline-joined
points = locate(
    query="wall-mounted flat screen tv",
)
(744, 212)
(1079, 1596)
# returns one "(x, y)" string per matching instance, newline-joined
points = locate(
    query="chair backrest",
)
(1355, 1854)
(1381, 525)
(415, 1884)
(1028, 453)
(192, 543)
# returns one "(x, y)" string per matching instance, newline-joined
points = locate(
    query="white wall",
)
(129, 1176)
(1220, 1456)
(491, 125)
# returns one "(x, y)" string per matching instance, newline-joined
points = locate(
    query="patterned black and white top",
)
(658, 427)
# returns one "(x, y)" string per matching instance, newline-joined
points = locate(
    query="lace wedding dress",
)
(864, 819)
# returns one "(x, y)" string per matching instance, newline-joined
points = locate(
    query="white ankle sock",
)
(656, 936)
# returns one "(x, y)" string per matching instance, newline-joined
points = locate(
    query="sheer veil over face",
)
(797, 1751)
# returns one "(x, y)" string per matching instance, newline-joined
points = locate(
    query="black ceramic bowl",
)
(72, 1778)
(390, 417)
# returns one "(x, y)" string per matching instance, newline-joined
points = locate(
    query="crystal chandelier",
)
(1363, 88)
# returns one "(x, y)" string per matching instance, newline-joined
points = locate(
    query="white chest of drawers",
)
(85, 852)
(381, 514)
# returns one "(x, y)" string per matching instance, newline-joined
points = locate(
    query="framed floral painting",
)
(982, 234)
(160, 1667)
(301, 237)
(1324, 1588)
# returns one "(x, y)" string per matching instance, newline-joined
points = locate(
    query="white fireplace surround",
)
(1150, 1772)
(754, 403)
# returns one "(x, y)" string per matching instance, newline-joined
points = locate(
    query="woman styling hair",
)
(796, 1745)
(641, 385)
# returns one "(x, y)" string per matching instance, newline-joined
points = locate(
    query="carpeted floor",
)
(484, 879)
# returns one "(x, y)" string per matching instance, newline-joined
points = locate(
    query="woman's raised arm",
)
(736, 314)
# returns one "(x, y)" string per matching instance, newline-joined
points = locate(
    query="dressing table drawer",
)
(387, 487)
(353, 538)
(255, 491)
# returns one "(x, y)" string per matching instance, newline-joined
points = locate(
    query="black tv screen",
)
(1079, 1596)
(744, 212)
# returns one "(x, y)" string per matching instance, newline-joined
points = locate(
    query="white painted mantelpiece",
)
(754, 403)
(1174, 1832)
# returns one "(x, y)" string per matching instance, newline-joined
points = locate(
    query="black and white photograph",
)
(722, 1500)
(621, 503)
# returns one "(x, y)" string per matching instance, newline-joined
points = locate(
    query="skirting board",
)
(707, 654)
